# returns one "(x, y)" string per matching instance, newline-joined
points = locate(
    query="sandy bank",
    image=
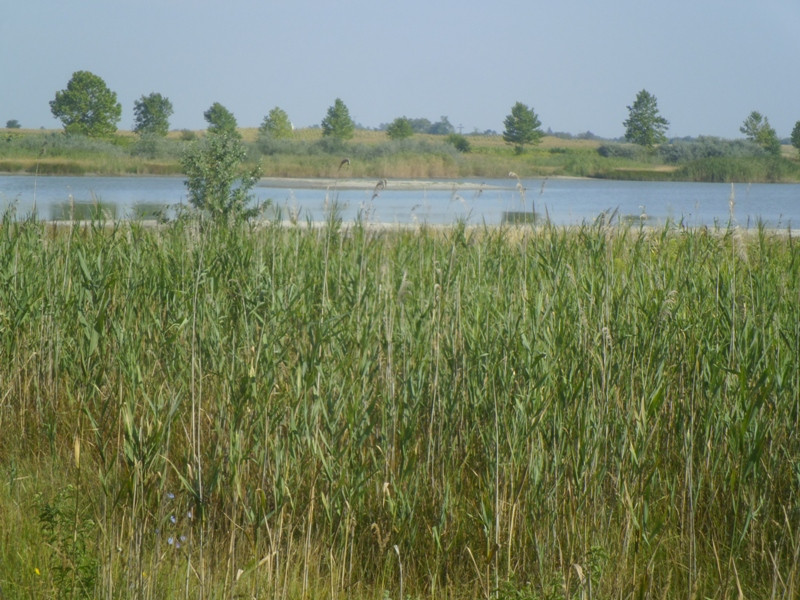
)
(389, 184)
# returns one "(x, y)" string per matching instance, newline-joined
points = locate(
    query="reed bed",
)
(353, 412)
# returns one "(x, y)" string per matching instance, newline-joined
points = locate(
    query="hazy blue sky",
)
(578, 63)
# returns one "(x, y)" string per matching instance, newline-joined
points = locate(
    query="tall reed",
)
(348, 411)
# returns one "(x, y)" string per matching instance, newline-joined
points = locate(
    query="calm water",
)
(563, 201)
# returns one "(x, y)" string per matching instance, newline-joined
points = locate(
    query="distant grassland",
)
(348, 413)
(372, 154)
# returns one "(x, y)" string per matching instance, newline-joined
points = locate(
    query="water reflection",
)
(82, 211)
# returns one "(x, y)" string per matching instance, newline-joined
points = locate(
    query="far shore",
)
(371, 183)
(470, 183)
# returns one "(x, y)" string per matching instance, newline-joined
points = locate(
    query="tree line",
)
(88, 107)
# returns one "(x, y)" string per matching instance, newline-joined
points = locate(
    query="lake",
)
(474, 201)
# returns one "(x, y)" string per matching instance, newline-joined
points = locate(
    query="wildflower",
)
(37, 571)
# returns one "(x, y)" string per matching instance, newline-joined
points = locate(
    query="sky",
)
(578, 63)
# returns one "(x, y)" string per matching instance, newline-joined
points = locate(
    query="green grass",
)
(372, 154)
(347, 412)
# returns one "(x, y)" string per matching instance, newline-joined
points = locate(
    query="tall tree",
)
(220, 120)
(796, 136)
(151, 114)
(276, 124)
(644, 125)
(757, 129)
(87, 106)
(337, 123)
(400, 129)
(522, 127)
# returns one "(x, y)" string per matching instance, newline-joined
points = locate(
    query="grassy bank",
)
(372, 154)
(353, 413)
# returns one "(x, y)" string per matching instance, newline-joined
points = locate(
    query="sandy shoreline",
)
(370, 183)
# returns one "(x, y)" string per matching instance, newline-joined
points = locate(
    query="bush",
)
(740, 169)
(460, 142)
(212, 167)
(679, 152)
(628, 151)
(152, 145)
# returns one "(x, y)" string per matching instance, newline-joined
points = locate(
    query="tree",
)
(151, 114)
(337, 123)
(460, 142)
(400, 129)
(87, 106)
(212, 167)
(221, 121)
(13, 124)
(796, 136)
(644, 125)
(522, 127)
(420, 125)
(442, 127)
(276, 124)
(757, 129)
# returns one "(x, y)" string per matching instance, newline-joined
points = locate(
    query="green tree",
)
(276, 124)
(337, 123)
(644, 125)
(220, 120)
(796, 136)
(151, 114)
(757, 129)
(87, 106)
(522, 127)
(442, 127)
(400, 129)
(13, 124)
(212, 167)
(460, 142)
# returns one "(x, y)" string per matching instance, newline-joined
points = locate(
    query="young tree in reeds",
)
(212, 167)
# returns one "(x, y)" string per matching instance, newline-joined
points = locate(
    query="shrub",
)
(212, 167)
(708, 147)
(460, 142)
(629, 151)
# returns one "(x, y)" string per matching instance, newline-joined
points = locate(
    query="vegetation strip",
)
(198, 410)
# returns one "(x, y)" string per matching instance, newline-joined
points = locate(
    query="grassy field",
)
(372, 154)
(290, 412)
